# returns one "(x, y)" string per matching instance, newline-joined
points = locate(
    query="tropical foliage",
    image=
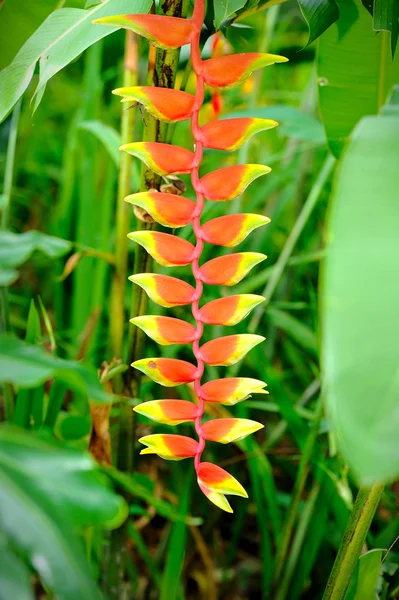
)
(81, 513)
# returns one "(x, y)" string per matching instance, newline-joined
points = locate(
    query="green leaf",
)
(15, 579)
(319, 15)
(363, 584)
(16, 248)
(386, 18)
(63, 36)
(226, 8)
(28, 366)
(359, 302)
(67, 477)
(355, 72)
(8, 276)
(300, 332)
(292, 122)
(18, 20)
(136, 488)
(46, 493)
(107, 135)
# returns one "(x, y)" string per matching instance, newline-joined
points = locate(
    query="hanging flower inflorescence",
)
(168, 250)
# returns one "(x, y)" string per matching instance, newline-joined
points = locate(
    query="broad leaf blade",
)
(16, 248)
(63, 36)
(225, 9)
(360, 313)
(355, 72)
(363, 585)
(15, 579)
(319, 15)
(28, 366)
(18, 20)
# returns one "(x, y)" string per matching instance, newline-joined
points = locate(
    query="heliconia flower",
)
(169, 446)
(169, 412)
(173, 210)
(231, 134)
(163, 159)
(230, 182)
(229, 310)
(162, 31)
(231, 390)
(218, 480)
(162, 103)
(216, 497)
(167, 371)
(166, 330)
(226, 351)
(164, 290)
(168, 250)
(229, 269)
(231, 230)
(225, 431)
(168, 210)
(226, 71)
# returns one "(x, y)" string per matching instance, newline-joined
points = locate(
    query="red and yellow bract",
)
(173, 211)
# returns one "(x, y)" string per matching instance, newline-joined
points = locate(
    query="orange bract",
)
(164, 32)
(230, 182)
(231, 134)
(226, 71)
(162, 103)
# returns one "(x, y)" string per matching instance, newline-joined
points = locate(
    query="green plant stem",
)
(299, 487)
(297, 542)
(6, 199)
(360, 519)
(164, 74)
(292, 239)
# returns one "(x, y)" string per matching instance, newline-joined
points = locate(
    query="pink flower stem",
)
(197, 21)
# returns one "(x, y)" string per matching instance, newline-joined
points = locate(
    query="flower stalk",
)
(173, 211)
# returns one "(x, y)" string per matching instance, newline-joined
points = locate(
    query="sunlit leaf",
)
(63, 36)
(360, 313)
(355, 72)
(319, 15)
(28, 366)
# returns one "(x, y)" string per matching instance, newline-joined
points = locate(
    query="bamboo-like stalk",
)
(163, 75)
(352, 543)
